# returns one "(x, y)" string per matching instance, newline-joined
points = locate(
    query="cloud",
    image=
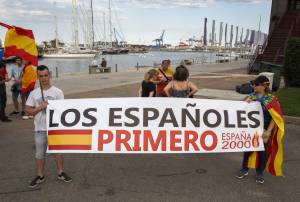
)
(161, 4)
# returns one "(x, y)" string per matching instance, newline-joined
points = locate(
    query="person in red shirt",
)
(3, 97)
(164, 77)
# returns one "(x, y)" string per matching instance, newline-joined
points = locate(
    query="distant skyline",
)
(140, 21)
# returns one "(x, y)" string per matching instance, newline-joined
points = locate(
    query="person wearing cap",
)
(272, 157)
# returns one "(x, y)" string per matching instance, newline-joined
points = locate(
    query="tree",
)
(292, 63)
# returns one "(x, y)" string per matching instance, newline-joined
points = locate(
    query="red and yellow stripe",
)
(29, 78)
(274, 150)
(20, 42)
(70, 139)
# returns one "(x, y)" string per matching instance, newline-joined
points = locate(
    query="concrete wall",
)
(278, 9)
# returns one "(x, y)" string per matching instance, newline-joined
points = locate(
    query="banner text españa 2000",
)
(153, 125)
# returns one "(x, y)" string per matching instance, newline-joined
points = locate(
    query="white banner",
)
(153, 125)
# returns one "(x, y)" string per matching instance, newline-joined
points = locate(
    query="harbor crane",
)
(160, 41)
(122, 42)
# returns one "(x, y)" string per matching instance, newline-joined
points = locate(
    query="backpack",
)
(245, 88)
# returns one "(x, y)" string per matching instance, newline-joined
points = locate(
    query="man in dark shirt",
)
(3, 98)
(103, 63)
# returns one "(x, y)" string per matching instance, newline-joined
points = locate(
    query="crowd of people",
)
(160, 82)
(165, 82)
(23, 76)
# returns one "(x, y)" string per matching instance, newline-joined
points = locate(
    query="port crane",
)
(160, 40)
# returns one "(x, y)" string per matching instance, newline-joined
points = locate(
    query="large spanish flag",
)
(29, 78)
(70, 139)
(274, 150)
(21, 43)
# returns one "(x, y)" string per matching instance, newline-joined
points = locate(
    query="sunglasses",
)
(45, 75)
(260, 84)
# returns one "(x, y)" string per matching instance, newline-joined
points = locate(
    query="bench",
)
(97, 70)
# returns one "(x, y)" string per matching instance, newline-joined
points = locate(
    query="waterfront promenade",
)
(83, 82)
(175, 177)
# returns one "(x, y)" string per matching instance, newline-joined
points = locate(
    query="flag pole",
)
(5, 25)
(43, 97)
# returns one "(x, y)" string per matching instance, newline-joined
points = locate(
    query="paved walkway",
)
(114, 177)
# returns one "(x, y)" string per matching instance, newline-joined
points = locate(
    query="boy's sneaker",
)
(259, 179)
(24, 116)
(6, 119)
(36, 181)
(242, 173)
(63, 176)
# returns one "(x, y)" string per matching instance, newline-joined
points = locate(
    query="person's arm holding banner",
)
(33, 110)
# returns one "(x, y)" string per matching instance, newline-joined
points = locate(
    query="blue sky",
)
(140, 21)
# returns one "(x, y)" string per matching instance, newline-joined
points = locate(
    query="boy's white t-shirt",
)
(35, 99)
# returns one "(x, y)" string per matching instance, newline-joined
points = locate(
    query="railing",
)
(258, 51)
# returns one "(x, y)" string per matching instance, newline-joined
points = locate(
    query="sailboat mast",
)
(93, 32)
(104, 30)
(56, 29)
(75, 23)
(110, 23)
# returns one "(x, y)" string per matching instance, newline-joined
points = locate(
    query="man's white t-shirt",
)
(35, 99)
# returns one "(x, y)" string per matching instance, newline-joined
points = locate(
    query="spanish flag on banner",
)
(21, 43)
(274, 151)
(70, 139)
(29, 78)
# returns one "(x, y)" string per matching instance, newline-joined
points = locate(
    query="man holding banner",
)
(272, 157)
(36, 106)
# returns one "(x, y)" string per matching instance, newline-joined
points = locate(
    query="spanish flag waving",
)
(21, 43)
(274, 150)
(29, 78)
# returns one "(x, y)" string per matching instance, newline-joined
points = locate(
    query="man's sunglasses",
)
(260, 84)
(42, 76)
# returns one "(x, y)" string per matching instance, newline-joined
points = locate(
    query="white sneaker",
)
(25, 117)
(31, 117)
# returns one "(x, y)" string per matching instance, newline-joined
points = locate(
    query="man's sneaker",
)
(30, 117)
(259, 179)
(14, 113)
(25, 117)
(63, 176)
(242, 173)
(36, 181)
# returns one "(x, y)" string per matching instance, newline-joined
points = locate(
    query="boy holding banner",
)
(271, 159)
(36, 105)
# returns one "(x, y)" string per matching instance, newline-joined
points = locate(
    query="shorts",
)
(41, 144)
(15, 95)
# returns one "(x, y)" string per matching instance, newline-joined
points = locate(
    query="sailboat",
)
(74, 51)
(117, 50)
